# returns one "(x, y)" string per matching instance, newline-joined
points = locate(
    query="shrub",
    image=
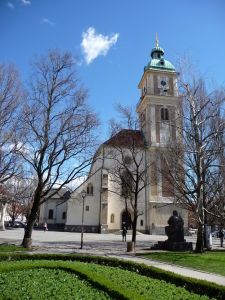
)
(193, 285)
(46, 284)
(120, 284)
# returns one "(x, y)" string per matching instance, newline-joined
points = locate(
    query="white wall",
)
(57, 211)
(75, 203)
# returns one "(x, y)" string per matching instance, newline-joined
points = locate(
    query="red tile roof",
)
(127, 138)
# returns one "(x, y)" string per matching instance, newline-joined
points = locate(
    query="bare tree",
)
(216, 198)
(10, 96)
(5, 198)
(129, 171)
(192, 163)
(10, 100)
(59, 129)
(21, 189)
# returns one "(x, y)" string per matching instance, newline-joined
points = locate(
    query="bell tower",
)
(159, 99)
(158, 111)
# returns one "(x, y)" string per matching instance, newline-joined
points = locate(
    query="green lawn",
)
(211, 261)
(41, 279)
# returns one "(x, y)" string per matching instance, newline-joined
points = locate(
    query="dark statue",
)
(175, 230)
(175, 233)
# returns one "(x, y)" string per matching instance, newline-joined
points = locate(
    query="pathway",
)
(109, 245)
(175, 269)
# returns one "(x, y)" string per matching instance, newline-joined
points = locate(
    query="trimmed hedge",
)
(44, 283)
(121, 284)
(200, 287)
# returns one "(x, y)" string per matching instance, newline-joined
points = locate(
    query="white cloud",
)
(10, 5)
(12, 146)
(77, 182)
(94, 44)
(25, 2)
(47, 21)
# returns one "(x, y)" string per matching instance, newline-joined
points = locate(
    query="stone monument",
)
(175, 233)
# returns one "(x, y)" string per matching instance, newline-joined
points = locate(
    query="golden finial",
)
(156, 40)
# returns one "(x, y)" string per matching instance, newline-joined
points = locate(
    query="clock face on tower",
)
(163, 83)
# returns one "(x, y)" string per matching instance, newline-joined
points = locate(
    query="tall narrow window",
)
(105, 180)
(50, 214)
(142, 120)
(112, 218)
(126, 185)
(164, 114)
(90, 189)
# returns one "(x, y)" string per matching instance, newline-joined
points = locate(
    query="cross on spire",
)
(156, 40)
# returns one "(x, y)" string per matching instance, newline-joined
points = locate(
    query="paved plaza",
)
(55, 241)
(110, 245)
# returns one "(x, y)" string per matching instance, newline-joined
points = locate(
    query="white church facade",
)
(104, 208)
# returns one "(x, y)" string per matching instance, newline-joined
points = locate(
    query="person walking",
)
(221, 236)
(45, 226)
(124, 234)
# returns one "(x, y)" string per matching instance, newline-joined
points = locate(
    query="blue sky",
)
(117, 39)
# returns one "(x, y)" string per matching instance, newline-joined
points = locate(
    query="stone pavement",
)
(176, 269)
(109, 245)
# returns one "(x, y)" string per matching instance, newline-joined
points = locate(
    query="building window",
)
(105, 180)
(141, 223)
(144, 91)
(142, 120)
(64, 215)
(127, 160)
(87, 208)
(112, 218)
(50, 214)
(126, 185)
(90, 189)
(164, 114)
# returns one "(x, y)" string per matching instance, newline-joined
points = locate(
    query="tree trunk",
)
(27, 241)
(13, 218)
(201, 224)
(134, 230)
(2, 218)
(200, 239)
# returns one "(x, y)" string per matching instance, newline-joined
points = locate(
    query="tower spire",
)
(156, 40)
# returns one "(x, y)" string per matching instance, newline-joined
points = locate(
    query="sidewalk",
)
(218, 279)
(109, 245)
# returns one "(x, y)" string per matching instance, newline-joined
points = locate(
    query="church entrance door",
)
(126, 220)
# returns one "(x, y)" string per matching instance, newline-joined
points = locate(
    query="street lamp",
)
(83, 195)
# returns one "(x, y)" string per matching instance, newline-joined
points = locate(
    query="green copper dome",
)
(158, 62)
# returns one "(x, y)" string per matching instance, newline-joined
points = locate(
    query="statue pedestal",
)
(175, 233)
(173, 246)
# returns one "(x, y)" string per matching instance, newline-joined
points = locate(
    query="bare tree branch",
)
(60, 129)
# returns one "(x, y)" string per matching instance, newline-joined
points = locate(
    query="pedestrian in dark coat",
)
(221, 236)
(124, 234)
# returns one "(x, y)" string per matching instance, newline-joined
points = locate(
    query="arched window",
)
(141, 223)
(90, 189)
(164, 114)
(127, 160)
(112, 218)
(126, 185)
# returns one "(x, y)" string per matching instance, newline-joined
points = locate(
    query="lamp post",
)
(83, 195)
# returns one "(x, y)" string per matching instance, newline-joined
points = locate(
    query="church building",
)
(102, 206)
